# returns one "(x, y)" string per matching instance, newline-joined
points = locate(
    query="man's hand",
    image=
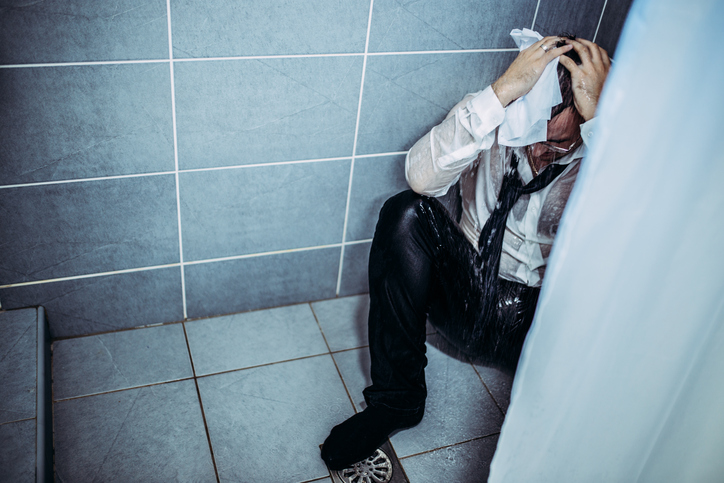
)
(587, 78)
(527, 68)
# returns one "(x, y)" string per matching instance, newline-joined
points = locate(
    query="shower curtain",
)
(622, 374)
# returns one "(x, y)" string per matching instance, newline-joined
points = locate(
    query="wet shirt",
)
(464, 148)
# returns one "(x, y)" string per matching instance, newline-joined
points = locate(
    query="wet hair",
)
(564, 78)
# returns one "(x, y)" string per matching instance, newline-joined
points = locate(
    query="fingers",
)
(568, 63)
(589, 52)
(557, 52)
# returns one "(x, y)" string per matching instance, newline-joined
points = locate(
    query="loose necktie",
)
(490, 243)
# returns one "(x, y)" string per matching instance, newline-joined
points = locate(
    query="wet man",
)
(479, 279)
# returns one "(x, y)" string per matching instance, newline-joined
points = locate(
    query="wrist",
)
(501, 94)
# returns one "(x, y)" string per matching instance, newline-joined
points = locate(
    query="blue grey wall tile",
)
(119, 360)
(354, 269)
(101, 304)
(261, 209)
(612, 23)
(462, 463)
(569, 16)
(266, 423)
(18, 364)
(85, 121)
(17, 458)
(405, 25)
(261, 282)
(259, 111)
(406, 95)
(219, 28)
(62, 230)
(152, 433)
(374, 181)
(254, 338)
(81, 30)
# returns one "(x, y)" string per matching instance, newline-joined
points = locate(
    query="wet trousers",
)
(421, 264)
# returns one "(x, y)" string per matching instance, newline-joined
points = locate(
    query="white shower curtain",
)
(622, 374)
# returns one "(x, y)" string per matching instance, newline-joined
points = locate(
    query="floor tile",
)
(464, 463)
(499, 383)
(17, 458)
(147, 434)
(344, 321)
(253, 338)
(354, 366)
(458, 408)
(119, 360)
(18, 350)
(266, 423)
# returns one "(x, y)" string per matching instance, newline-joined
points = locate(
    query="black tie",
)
(490, 243)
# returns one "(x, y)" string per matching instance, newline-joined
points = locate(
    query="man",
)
(479, 280)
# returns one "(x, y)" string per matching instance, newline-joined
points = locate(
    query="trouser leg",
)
(419, 261)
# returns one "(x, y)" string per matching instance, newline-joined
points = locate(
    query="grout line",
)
(321, 478)
(248, 57)
(535, 16)
(311, 356)
(354, 149)
(334, 361)
(201, 404)
(175, 163)
(196, 170)
(487, 389)
(449, 445)
(17, 421)
(77, 180)
(90, 275)
(86, 63)
(122, 389)
(603, 10)
(171, 265)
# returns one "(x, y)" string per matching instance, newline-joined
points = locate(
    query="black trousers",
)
(421, 264)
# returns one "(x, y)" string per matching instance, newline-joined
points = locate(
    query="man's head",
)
(564, 132)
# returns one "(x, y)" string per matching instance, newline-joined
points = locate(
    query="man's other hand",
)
(527, 68)
(587, 78)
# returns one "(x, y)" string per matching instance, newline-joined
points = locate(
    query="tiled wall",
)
(164, 160)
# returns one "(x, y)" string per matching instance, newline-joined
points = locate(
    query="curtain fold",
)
(622, 373)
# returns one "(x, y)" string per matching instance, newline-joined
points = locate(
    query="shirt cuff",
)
(587, 129)
(486, 113)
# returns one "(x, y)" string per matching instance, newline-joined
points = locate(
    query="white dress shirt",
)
(464, 148)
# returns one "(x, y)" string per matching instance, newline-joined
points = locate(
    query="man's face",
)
(564, 132)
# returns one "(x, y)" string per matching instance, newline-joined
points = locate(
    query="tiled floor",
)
(249, 397)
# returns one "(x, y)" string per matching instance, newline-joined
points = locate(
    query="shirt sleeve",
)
(587, 129)
(437, 160)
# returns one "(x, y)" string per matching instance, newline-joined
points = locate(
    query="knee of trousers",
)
(401, 215)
